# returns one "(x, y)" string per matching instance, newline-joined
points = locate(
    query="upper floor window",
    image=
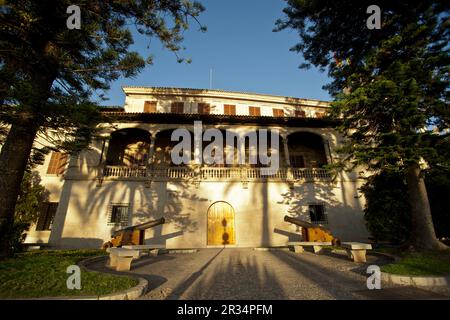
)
(320, 114)
(254, 111)
(46, 215)
(204, 108)
(177, 107)
(229, 109)
(300, 113)
(278, 112)
(57, 163)
(150, 106)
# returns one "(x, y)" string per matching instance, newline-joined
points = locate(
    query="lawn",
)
(428, 263)
(43, 274)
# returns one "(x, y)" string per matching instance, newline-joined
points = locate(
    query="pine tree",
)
(390, 86)
(48, 72)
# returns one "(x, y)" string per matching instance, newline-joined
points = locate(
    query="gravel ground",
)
(235, 273)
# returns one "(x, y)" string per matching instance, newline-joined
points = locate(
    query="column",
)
(289, 174)
(104, 151)
(286, 151)
(102, 160)
(151, 150)
(326, 146)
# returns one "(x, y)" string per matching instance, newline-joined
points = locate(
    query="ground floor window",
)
(317, 214)
(46, 215)
(118, 214)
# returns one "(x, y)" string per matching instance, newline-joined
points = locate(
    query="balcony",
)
(160, 173)
(134, 154)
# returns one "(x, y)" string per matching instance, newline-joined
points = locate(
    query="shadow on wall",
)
(161, 239)
(87, 208)
(345, 217)
(292, 237)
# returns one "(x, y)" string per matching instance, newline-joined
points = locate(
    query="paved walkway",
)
(234, 273)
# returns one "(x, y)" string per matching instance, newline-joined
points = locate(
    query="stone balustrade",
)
(160, 173)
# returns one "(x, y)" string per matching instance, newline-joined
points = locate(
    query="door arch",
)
(220, 220)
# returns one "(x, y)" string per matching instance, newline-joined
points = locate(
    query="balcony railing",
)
(126, 172)
(215, 173)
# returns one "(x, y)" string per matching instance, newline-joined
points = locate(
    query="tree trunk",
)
(13, 160)
(423, 236)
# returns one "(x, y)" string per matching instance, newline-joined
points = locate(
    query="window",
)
(57, 163)
(229, 109)
(177, 107)
(278, 112)
(317, 214)
(204, 108)
(254, 111)
(297, 161)
(320, 114)
(300, 113)
(118, 214)
(46, 214)
(150, 106)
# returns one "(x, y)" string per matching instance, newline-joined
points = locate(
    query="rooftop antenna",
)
(210, 78)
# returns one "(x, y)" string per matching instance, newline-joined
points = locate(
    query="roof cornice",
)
(235, 95)
(217, 119)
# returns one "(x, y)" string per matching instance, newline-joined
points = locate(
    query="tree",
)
(48, 72)
(387, 211)
(32, 195)
(390, 86)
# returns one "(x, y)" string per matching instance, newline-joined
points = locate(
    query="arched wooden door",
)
(221, 224)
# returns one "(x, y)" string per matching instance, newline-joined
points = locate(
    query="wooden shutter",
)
(254, 111)
(320, 114)
(278, 112)
(57, 163)
(177, 107)
(204, 108)
(300, 113)
(150, 106)
(229, 109)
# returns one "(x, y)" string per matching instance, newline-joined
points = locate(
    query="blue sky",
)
(239, 46)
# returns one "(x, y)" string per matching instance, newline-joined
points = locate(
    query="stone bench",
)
(152, 249)
(317, 246)
(121, 258)
(356, 250)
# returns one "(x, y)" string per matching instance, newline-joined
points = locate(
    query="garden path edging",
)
(128, 294)
(416, 281)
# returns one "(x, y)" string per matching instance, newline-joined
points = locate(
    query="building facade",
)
(128, 175)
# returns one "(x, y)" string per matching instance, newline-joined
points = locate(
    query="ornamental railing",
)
(160, 173)
(125, 172)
